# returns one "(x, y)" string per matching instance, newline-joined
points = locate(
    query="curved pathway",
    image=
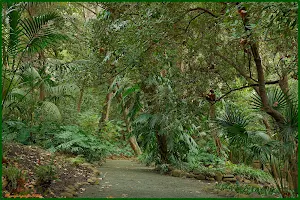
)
(128, 179)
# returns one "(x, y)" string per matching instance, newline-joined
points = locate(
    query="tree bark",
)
(212, 115)
(132, 140)
(162, 148)
(80, 99)
(267, 125)
(284, 85)
(105, 111)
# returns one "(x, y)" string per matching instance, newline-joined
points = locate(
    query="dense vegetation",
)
(196, 86)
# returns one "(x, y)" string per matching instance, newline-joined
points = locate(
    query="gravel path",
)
(128, 179)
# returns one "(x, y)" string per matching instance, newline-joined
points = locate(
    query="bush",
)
(45, 174)
(15, 179)
(249, 172)
(77, 160)
(247, 189)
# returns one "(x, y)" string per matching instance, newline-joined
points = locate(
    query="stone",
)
(254, 185)
(88, 165)
(90, 180)
(229, 179)
(210, 178)
(200, 177)
(247, 181)
(4, 183)
(228, 176)
(197, 172)
(177, 173)
(254, 195)
(66, 194)
(96, 172)
(190, 175)
(241, 196)
(71, 191)
(219, 176)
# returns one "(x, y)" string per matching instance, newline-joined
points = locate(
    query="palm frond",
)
(276, 99)
(39, 32)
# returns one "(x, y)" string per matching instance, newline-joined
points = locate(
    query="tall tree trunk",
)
(105, 111)
(42, 92)
(284, 85)
(267, 125)
(162, 147)
(212, 115)
(132, 140)
(260, 71)
(80, 99)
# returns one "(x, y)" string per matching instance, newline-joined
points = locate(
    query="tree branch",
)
(243, 87)
(204, 10)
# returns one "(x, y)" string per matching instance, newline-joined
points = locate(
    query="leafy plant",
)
(247, 189)
(45, 174)
(15, 178)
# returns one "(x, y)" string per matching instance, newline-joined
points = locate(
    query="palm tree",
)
(279, 152)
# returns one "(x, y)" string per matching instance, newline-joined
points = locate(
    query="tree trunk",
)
(162, 148)
(80, 99)
(212, 115)
(105, 111)
(260, 71)
(132, 140)
(284, 85)
(42, 92)
(267, 125)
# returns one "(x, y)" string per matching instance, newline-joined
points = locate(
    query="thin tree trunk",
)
(267, 125)
(80, 99)
(105, 111)
(284, 85)
(132, 140)
(162, 147)
(260, 71)
(212, 115)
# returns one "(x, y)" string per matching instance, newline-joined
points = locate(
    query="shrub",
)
(247, 189)
(249, 172)
(15, 178)
(45, 174)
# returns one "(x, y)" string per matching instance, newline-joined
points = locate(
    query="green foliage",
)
(77, 160)
(249, 172)
(72, 140)
(45, 174)
(14, 176)
(247, 189)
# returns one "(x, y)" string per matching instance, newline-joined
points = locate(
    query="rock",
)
(229, 179)
(228, 176)
(247, 181)
(96, 172)
(71, 191)
(219, 176)
(71, 187)
(200, 177)
(177, 173)
(66, 194)
(254, 195)
(84, 183)
(93, 180)
(4, 183)
(88, 165)
(241, 196)
(254, 185)
(190, 175)
(210, 178)
(197, 171)
(97, 182)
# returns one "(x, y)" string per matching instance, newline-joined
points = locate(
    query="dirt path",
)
(128, 179)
